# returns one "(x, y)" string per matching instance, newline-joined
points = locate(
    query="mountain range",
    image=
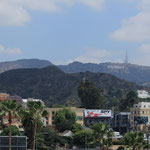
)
(126, 71)
(54, 86)
(130, 72)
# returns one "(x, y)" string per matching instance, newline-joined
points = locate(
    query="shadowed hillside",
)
(54, 86)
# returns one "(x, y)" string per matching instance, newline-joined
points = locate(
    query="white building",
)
(143, 94)
(142, 105)
(31, 99)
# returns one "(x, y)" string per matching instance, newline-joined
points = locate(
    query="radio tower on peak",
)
(126, 58)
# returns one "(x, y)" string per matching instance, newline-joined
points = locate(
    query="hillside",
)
(23, 63)
(54, 86)
(129, 72)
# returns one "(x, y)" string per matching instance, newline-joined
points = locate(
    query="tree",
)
(134, 140)
(47, 138)
(10, 108)
(84, 138)
(108, 140)
(28, 125)
(76, 127)
(35, 111)
(64, 119)
(128, 102)
(90, 95)
(102, 135)
(131, 98)
(14, 131)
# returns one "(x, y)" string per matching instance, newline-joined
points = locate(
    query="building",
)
(3, 96)
(31, 99)
(143, 94)
(17, 98)
(18, 143)
(94, 116)
(16, 121)
(140, 116)
(52, 112)
(121, 122)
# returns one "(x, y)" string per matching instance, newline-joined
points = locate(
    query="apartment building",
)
(17, 98)
(16, 121)
(24, 104)
(3, 96)
(121, 122)
(140, 117)
(52, 112)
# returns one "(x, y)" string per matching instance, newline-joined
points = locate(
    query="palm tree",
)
(108, 139)
(134, 140)
(10, 108)
(35, 111)
(102, 134)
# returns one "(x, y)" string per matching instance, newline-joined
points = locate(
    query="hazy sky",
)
(63, 31)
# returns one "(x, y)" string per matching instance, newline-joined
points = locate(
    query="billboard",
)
(96, 113)
(140, 119)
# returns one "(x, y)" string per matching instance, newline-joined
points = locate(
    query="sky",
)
(63, 31)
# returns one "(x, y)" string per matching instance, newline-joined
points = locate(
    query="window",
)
(134, 112)
(143, 112)
(53, 112)
(53, 118)
(79, 118)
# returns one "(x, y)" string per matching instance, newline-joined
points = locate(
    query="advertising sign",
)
(140, 119)
(96, 113)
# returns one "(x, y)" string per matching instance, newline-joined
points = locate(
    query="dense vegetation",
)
(53, 86)
(64, 119)
(90, 95)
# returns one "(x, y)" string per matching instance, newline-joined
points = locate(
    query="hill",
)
(23, 63)
(129, 72)
(54, 86)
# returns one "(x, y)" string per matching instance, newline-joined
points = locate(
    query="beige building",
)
(140, 116)
(52, 112)
(16, 121)
(3, 96)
